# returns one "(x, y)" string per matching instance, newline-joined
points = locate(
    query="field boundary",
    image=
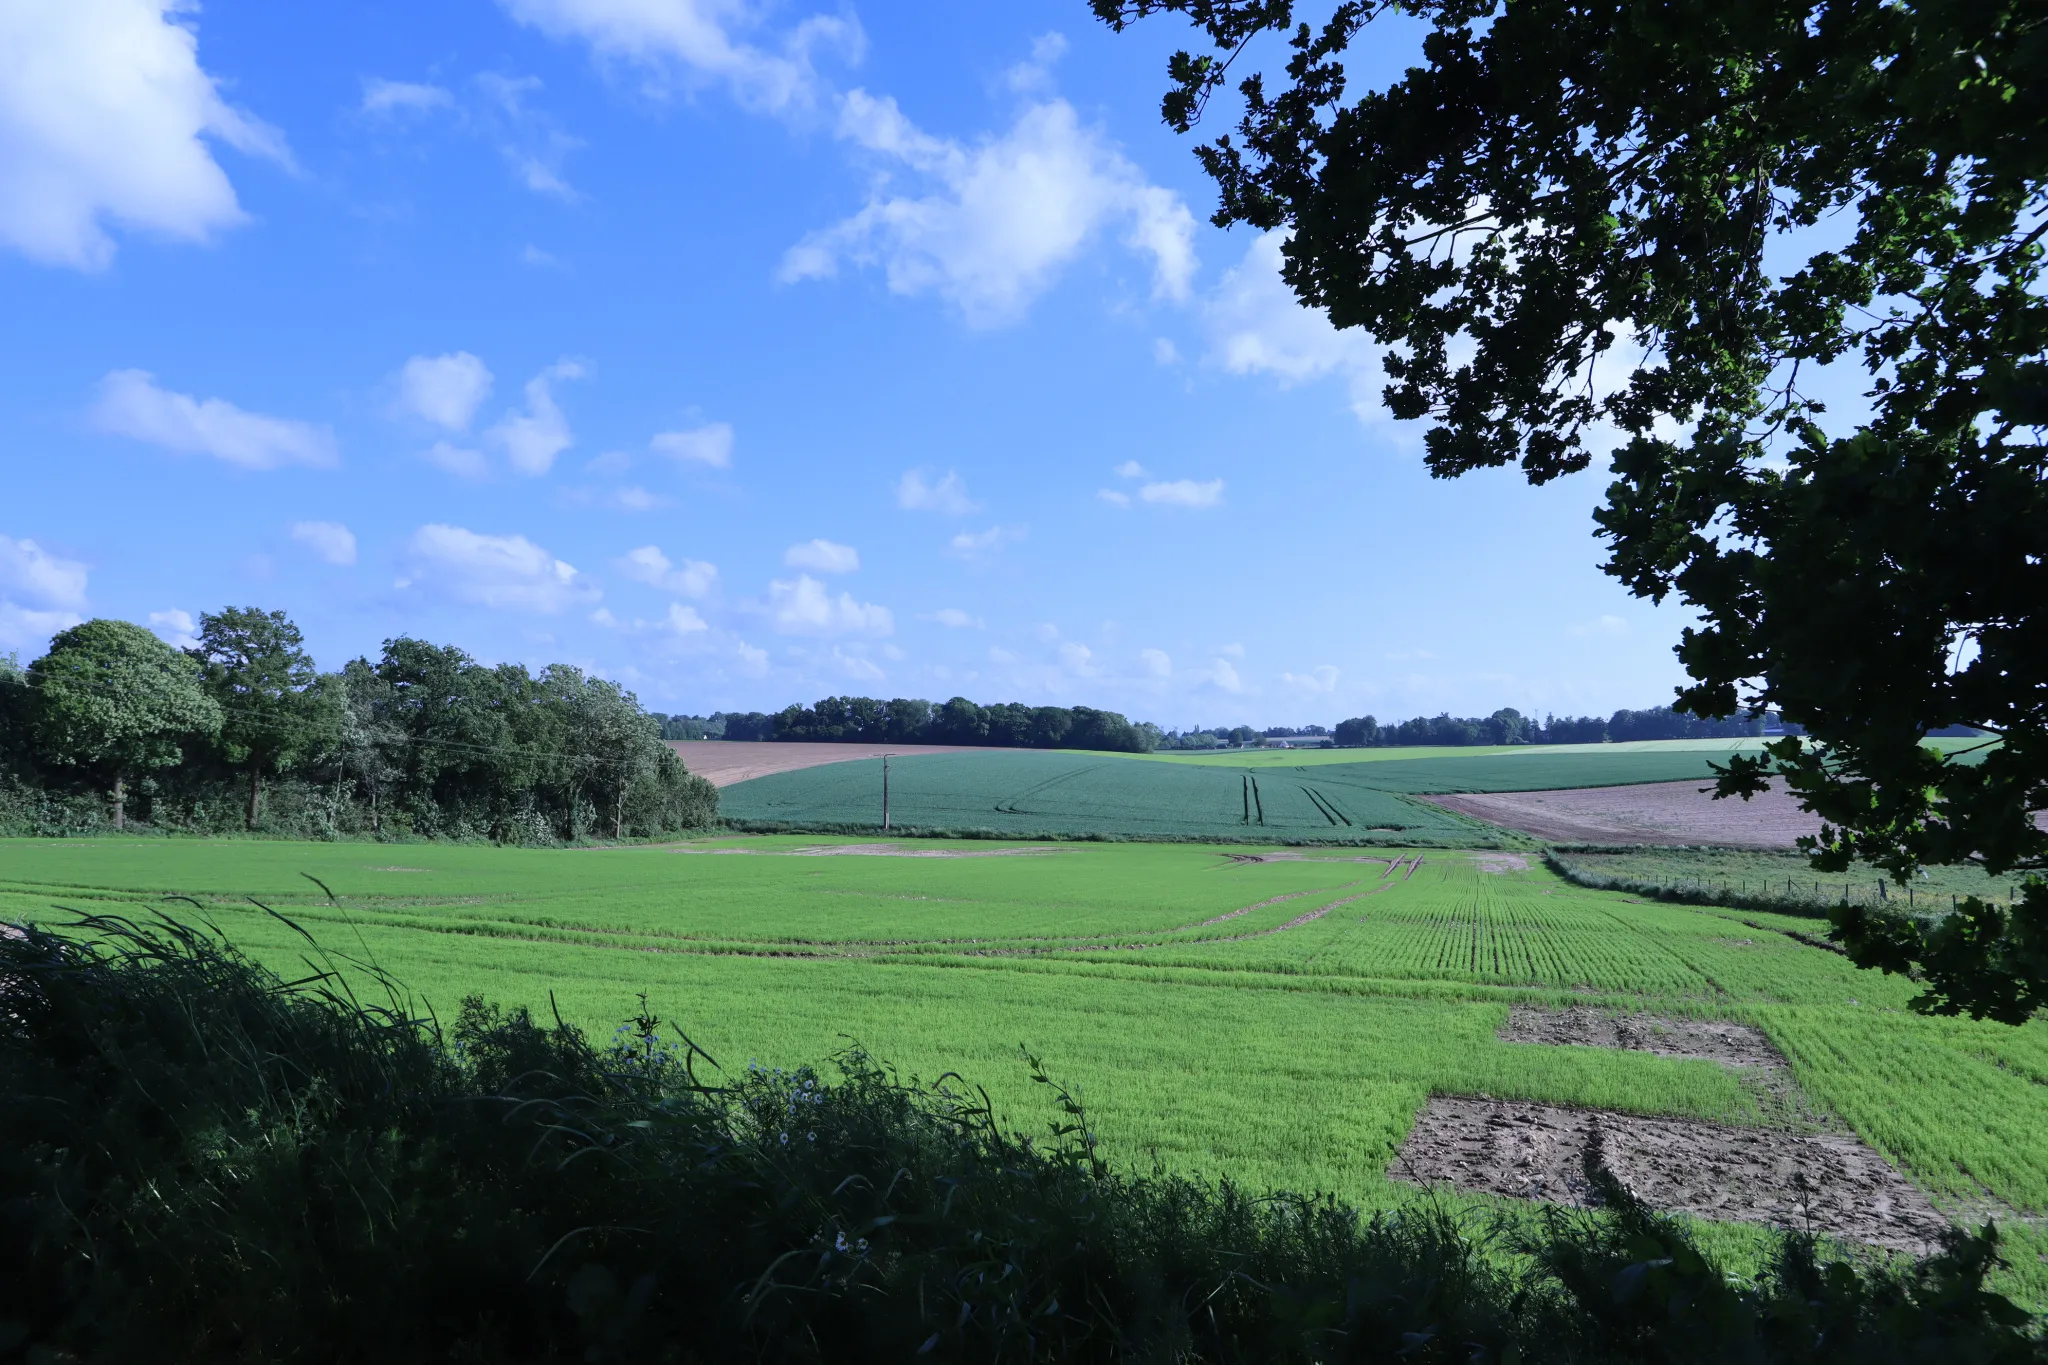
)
(1378, 837)
(1681, 893)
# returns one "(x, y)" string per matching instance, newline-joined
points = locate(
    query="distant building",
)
(1301, 742)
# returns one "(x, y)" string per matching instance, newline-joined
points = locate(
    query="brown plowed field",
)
(1652, 813)
(724, 762)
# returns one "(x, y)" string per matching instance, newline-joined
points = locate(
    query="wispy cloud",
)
(329, 541)
(706, 445)
(822, 556)
(1184, 493)
(132, 405)
(982, 544)
(948, 495)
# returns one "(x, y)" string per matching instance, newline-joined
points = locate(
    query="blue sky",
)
(745, 353)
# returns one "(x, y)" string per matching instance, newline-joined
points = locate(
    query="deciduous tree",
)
(1567, 216)
(111, 697)
(273, 709)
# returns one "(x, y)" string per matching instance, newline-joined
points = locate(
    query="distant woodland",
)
(868, 720)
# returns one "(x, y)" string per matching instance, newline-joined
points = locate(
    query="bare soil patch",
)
(1497, 864)
(1522, 1150)
(1582, 1026)
(1647, 813)
(724, 762)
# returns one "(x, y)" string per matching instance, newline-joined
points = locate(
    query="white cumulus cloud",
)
(1157, 662)
(507, 573)
(693, 43)
(1184, 493)
(709, 445)
(694, 578)
(27, 630)
(822, 556)
(328, 540)
(131, 404)
(980, 544)
(1078, 659)
(532, 439)
(1257, 326)
(29, 573)
(684, 620)
(1000, 218)
(444, 389)
(1321, 678)
(1113, 497)
(1224, 676)
(176, 627)
(954, 619)
(948, 495)
(105, 114)
(806, 607)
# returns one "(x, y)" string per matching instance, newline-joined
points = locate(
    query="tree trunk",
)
(120, 800)
(255, 797)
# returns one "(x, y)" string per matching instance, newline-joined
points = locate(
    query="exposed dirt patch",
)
(1498, 863)
(1583, 1026)
(1739, 1047)
(724, 762)
(1245, 910)
(1649, 813)
(1829, 1183)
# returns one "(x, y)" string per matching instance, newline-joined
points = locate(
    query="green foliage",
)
(199, 1160)
(423, 742)
(1551, 179)
(960, 721)
(274, 712)
(112, 698)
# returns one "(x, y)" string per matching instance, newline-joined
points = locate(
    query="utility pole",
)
(885, 793)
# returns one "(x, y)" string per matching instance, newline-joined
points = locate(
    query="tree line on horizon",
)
(1509, 726)
(911, 721)
(113, 727)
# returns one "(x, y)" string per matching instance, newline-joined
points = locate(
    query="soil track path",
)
(724, 762)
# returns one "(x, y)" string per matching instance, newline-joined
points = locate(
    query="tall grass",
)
(200, 1160)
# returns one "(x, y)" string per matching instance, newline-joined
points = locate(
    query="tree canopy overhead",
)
(1557, 183)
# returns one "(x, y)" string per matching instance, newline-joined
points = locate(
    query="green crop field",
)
(1263, 758)
(1299, 794)
(1279, 1021)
